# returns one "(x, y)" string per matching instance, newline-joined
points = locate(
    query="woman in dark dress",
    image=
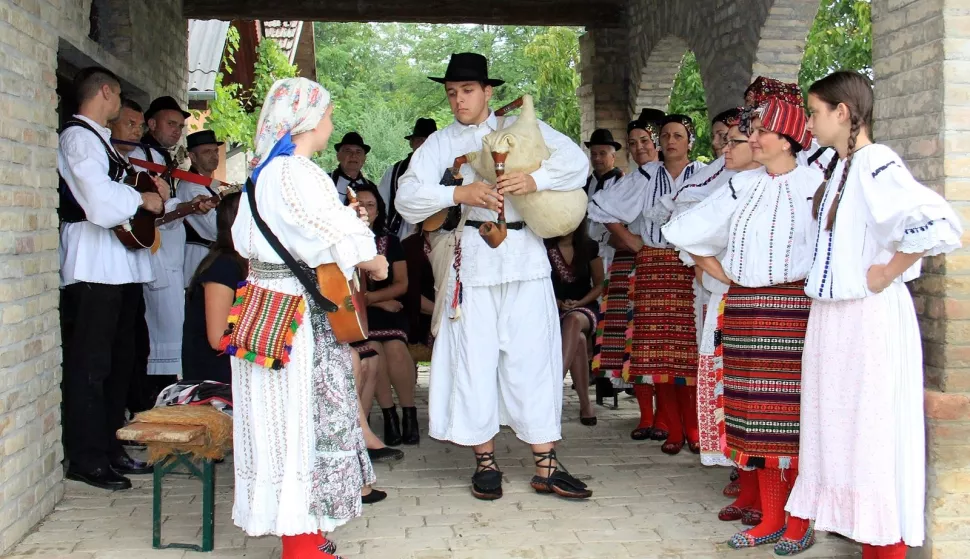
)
(577, 280)
(419, 301)
(388, 325)
(208, 300)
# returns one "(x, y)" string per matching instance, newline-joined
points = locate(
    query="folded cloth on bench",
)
(213, 445)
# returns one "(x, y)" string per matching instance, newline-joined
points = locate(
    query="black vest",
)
(393, 218)
(69, 211)
(614, 172)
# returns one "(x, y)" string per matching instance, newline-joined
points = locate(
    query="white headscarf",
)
(292, 106)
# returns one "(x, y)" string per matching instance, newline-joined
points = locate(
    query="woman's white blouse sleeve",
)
(704, 229)
(906, 216)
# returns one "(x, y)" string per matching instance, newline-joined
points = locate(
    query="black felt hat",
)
(423, 128)
(352, 139)
(165, 103)
(467, 67)
(201, 138)
(602, 137)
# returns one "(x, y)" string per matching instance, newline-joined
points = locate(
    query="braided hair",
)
(855, 92)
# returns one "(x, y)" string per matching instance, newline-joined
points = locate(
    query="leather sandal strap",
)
(485, 462)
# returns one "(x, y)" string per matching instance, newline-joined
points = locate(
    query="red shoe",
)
(732, 489)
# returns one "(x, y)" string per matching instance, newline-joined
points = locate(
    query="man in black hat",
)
(602, 157)
(351, 155)
(200, 228)
(423, 128)
(497, 359)
(165, 297)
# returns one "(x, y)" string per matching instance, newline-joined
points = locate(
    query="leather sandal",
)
(732, 489)
(559, 481)
(487, 480)
(694, 447)
(742, 540)
(659, 434)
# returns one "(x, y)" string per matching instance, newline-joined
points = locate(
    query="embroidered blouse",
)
(300, 204)
(883, 210)
(635, 201)
(761, 222)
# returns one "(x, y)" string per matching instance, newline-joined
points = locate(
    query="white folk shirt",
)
(89, 250)
(597, 231)
(300, 205)
(169, 260)
(204, 225)
(761, 222)
(636, 201)
(883, 211)
(522, 256)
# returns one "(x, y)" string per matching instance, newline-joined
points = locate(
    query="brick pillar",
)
(603, 90)
(921, 57)
(30, 449)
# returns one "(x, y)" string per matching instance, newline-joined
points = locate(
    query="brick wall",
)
(32, 33)
(603, 93)
(922, 69)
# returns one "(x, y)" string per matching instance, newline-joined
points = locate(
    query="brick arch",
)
(656, 78)
(781, 46)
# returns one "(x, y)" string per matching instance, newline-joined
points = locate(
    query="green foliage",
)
(234, 112)
(378, 77)
(687, 97)
(840, 39)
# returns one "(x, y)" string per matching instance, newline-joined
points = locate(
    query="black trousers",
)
(97, 330)
(140, 396)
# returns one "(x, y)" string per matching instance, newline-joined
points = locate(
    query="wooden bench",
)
(176, 436)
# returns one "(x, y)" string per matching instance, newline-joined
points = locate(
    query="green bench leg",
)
(207, 475)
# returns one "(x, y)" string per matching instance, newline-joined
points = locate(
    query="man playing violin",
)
(101, 283)
(500, 361)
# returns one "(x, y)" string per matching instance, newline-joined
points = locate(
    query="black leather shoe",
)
(384, 454)
(126, 465)
(392, 426)
(102, 478)
(375, 496)
(410, 434)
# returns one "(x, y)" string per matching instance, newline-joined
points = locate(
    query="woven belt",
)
(513, 225)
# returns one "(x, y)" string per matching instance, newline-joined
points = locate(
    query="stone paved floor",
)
(645, 505)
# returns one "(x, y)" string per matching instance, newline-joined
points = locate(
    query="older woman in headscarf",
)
(300, 457)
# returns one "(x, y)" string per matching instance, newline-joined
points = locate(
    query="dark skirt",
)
(589, 310)
(386, 326)
(762, 338)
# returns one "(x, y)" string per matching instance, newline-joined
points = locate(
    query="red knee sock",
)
(667, 400)
(796, 527)
(774, 494)
(661, 422)
(644, 394)
(687, 403)
(749, 497)
(303, 546)
(894, 551)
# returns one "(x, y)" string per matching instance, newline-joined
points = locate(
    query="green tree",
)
(687, 97)
(234, 112)
(840, 39)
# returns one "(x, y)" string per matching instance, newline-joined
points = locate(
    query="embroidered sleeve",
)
(704, 229)
(420, 193)
(906, 216)
(621, 203)
(310, 204)
(566, 168)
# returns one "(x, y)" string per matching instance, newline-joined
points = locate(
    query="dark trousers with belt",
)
(97, 329)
